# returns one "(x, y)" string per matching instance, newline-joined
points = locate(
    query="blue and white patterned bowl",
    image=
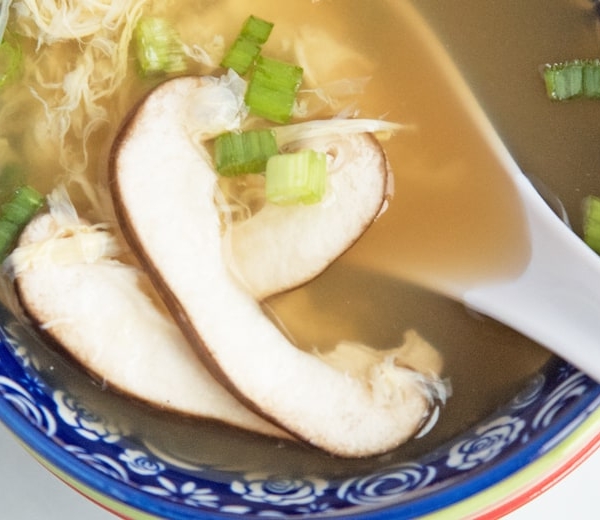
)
(146, 464)
(124, 456)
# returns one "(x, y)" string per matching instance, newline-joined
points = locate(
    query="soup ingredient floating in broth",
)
(11, 61)
(11, 56)
(273, 84)
(15, 213)
(72, 286)
(163, 187)
(573, 79)
(74, 92)
(591, 222)
(159, 49)
(247, 46)
(283, 246)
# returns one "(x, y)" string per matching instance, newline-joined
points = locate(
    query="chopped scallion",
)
(159, 49)
(11, 61)
(591, 222)
(241, 56)
(244, 152)
(571, 79)
(11, 177)
(295, 178)
(591, 78)
(256, 29)
(15, 215)
(247, 46)
(4, 14)
(272, 89)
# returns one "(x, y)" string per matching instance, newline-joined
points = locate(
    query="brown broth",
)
(556, 142)
(453, 212)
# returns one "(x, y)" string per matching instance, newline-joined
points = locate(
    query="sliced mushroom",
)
(96, 308)
(281, 247)
(163, 187)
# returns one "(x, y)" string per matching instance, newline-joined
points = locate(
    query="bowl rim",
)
(448, 494)
(534, 477)
(491, 503)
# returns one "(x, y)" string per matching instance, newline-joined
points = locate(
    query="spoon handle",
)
(556, 299)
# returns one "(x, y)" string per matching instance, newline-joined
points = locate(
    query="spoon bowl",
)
(543, 280)
(556, 299)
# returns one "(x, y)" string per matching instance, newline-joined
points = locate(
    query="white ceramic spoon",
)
(555, 300)
(554, 297)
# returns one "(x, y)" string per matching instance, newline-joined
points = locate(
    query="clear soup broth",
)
(452, 210)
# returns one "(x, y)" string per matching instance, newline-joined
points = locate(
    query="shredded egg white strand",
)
(85, 245)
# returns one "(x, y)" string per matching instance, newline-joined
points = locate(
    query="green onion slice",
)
(296, 178)
(272, 89)
(12, 176)
(11, 61)
(256, 29)
(591, 78)
(159, 49)
(591, 222)
(571, 79)
(241, 56)
(247, 46)
(15, 214)
(244, 152)
(4, 14)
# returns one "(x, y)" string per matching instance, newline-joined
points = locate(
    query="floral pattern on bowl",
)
(107, 459)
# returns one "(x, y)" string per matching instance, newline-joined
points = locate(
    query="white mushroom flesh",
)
(281, 247)
(97, 309)
(164, 189)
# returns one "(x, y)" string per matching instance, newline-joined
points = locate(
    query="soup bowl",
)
(519, 418)
(485, 471)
